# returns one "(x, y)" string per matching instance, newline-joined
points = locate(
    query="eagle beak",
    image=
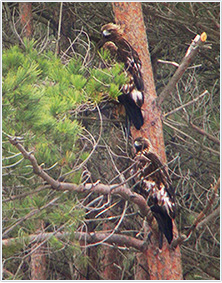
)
(137, 144)
(106, 33)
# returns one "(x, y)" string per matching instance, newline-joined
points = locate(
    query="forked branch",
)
(97, 187)
(199, 218)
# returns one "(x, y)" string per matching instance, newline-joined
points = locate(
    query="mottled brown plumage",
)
(132, 94)
(154, 184)
(125, 52)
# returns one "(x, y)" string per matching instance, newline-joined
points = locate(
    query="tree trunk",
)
(26, 18)
(38, 260)
(111, 259)
(142, 270)
(167, 264)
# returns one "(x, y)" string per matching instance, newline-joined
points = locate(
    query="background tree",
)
(68, 93)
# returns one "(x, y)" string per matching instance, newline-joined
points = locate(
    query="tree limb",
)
(202, 132)
(190, 54)
(97, 187)
(186, 104)
(200, 216)
(90, 238)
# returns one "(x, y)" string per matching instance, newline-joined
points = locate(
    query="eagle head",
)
(142, 143)
(111, 30)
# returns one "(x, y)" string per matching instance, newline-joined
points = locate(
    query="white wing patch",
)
(160, 194)
(137, 96)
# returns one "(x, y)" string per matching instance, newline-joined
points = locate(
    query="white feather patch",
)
(136, 95)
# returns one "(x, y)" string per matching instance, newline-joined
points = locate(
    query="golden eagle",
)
(154, 184)
(132, 94)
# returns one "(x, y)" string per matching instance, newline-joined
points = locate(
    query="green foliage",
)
(39, 92)
(39, 96)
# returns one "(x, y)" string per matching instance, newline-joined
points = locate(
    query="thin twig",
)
(185, 105)
(202, 132)
(11, 198)
(186, 135)
(198, 219)
(29, 215)
(114, 230)
(175, 64)
(59, 30)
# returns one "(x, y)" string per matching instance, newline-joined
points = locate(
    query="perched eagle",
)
(132, 94)
(125, 52)
(154, 184)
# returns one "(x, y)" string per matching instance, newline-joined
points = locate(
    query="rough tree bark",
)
(26, 18)
(38, 258)
(167, 264)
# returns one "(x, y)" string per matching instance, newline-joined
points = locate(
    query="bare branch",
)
(201, 215)
(11, 198)
(175, 64)
(185, 105)
(27, 216)
(186, 135)
(115, 189)
(206, 209)
(90, 238)
(209, 218)
(202, 132)
(190, 54)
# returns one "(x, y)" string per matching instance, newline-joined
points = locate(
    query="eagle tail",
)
(164, 222)
(132, 110)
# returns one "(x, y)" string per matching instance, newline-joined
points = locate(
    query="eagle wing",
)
(132, 62)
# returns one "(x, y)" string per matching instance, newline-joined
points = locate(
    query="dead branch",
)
(201, 215)
(209, 218)
(185, 105)
(175, 64)
(59, 30)
(190, 55)
(188, 136)
(11, 198)
(202, 132)
(97, 187)
(206, 209)
(90, 238)
(27, 216)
